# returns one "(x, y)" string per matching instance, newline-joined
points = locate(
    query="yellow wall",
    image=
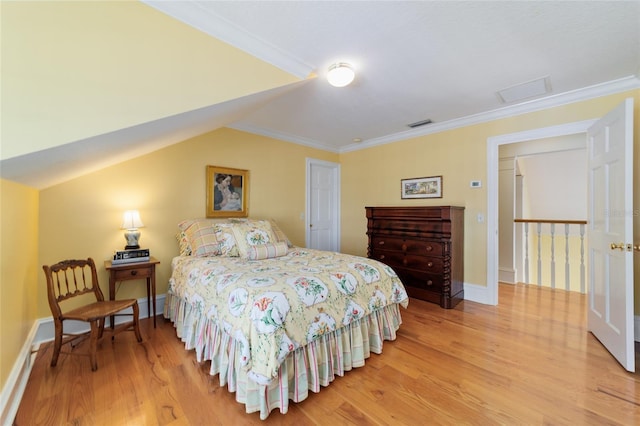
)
(81, 218)
(18, 270)
(372, 176)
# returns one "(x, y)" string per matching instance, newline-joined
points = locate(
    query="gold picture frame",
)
(423, 187)
(227, 192)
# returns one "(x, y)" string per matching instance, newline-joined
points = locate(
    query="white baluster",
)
(553, 256)
(582, 273)
(539, 229)
(567, 273)
(526, 252)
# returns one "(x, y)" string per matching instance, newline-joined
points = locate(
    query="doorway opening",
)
(542, 212)
(493, 161)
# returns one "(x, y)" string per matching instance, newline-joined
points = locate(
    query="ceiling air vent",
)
(420, 123)
(528, 90)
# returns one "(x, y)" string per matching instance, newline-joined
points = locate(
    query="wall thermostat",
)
(476, 183)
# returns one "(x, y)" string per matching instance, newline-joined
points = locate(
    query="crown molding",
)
(578, 95)
(195, 15)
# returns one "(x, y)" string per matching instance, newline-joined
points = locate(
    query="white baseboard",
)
(507, 275)
(478, 293)
(43, 331)
(16, 383)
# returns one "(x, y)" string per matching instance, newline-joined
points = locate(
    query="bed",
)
(276, 321)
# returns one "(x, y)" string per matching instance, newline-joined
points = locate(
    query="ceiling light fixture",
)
(340, 74)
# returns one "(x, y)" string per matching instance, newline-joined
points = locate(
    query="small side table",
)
(134, 271)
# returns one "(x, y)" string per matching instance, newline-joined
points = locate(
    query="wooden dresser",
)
(424, 245)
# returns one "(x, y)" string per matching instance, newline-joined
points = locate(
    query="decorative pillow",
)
(252, 233)
(202, 238)
(277, 232)
(183, 243)
(227, 240)
(267, 251)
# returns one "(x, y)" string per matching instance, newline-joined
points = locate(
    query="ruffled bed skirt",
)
(304, 370)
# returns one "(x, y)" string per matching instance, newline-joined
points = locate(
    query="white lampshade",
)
(340, 74)
(131, 220)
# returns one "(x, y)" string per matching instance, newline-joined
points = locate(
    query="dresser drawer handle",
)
(381, 256)
(429, 264)
(381, 243)
(429, 282)
(404, 262)
(134, 272)
(429, 248)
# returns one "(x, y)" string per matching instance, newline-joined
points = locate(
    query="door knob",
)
(623, 246)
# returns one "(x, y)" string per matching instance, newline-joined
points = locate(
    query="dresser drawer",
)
(412, 278)
(419, 247)
(133, 273)
(430, 264)
(410, 227)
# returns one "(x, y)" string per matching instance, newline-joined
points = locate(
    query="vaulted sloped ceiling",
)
(89, 84)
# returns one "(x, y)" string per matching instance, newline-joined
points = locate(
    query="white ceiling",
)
(415, 60)
(441, 60)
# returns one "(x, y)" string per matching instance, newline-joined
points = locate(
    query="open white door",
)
(323, 205)
(610, 232)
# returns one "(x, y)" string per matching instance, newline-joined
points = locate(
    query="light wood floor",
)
(528, 361)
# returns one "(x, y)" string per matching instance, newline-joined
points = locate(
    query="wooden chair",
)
(68, 280)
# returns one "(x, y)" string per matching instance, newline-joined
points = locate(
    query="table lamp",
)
(131, 222)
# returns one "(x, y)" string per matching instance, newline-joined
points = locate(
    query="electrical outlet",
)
(475, 184)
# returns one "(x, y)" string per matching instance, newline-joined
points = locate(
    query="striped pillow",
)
(202, 239)
(267, 251)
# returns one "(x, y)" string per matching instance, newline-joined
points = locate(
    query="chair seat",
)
(97, 310)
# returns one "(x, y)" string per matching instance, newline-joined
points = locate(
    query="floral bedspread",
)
(272, 307)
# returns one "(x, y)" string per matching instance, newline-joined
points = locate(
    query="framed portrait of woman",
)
(227, 192)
